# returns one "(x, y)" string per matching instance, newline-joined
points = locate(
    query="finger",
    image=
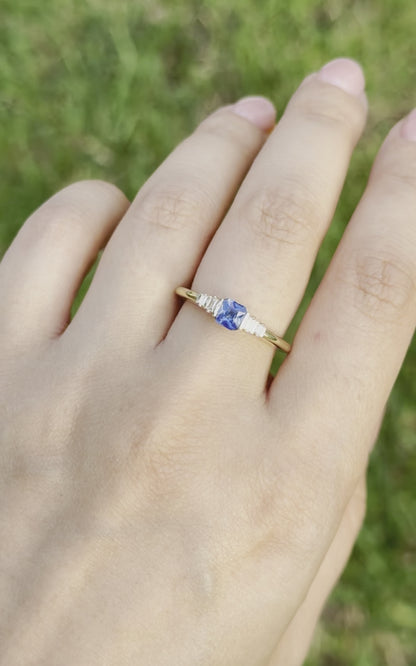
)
(263, 252)
(354, 336)
(44, 266)
(162, 237)
(294, 645)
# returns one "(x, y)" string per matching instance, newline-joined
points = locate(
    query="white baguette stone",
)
(251, 325)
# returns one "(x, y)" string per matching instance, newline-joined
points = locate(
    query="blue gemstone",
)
(231, 314)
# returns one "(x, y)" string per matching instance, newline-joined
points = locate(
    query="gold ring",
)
(233, 316)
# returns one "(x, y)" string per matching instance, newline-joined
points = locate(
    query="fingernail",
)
(344, 73)
(408, 128)
(258, 110)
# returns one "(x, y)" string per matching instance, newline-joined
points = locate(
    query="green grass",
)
(106, 89)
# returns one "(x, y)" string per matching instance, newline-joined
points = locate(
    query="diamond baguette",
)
(251, 325)
(209, 303)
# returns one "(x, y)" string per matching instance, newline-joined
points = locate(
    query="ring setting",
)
(233, 316)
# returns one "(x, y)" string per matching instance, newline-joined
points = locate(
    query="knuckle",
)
(283, 217)
(68, 211)
(84, 188)
(331, 107)
(287, 516)
(382, 285)
(167, 460)
(60, 220)
(26, 460)
(226, 128)
(163, 458)
(175, 208)
(395, 171)
(289, 502)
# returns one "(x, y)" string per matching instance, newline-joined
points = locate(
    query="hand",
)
(162, 501)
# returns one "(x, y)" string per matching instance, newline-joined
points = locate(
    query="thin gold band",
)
(250, 325)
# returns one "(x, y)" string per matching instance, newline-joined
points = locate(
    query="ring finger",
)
(263, 253)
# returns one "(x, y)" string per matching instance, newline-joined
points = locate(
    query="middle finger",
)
(263, 253)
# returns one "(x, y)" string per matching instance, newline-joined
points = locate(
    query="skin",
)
(162, 500)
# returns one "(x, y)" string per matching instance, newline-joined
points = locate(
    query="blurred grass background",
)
(105, 89)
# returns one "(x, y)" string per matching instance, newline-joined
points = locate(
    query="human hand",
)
(162, 501)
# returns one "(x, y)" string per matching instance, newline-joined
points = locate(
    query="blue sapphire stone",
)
(231, 314)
